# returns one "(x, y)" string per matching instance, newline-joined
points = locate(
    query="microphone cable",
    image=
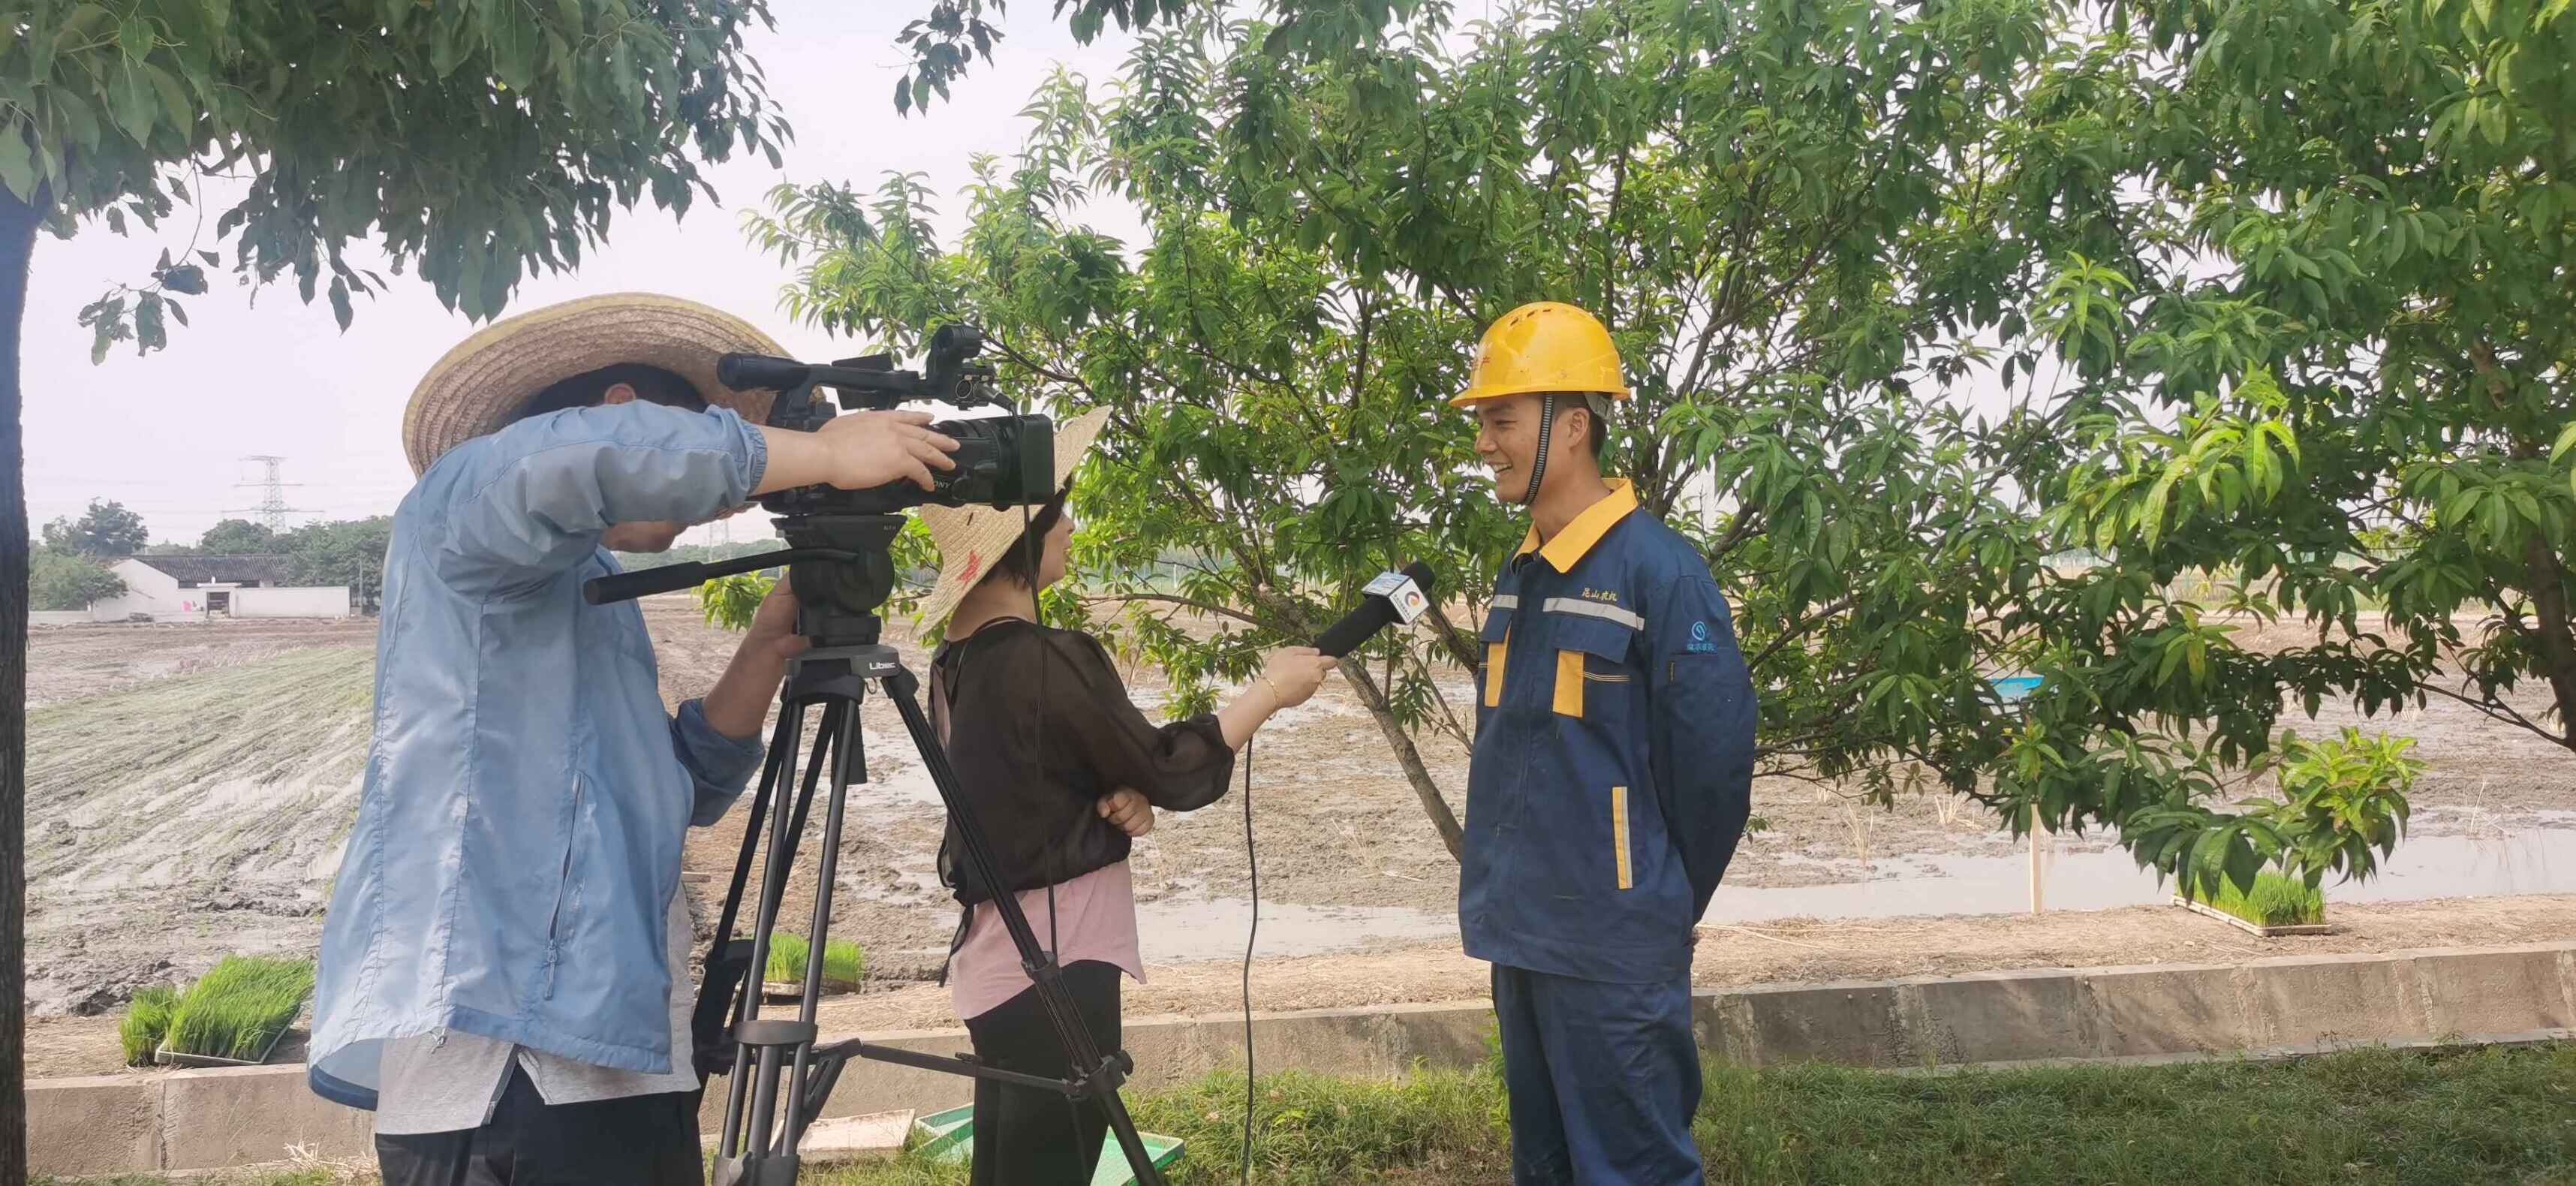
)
(1251, 864)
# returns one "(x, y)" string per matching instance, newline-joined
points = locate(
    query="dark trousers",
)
(643, 1140)
(1025, 1136)
(1604, 1079)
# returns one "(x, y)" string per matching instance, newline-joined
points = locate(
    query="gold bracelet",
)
(1278, 699)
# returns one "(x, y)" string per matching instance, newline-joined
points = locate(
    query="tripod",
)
(777, 1076)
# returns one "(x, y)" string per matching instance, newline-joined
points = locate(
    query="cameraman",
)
(1061, 770)
(503, 962)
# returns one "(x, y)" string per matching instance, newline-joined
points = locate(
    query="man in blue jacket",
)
(1611, 778)
(503, 977)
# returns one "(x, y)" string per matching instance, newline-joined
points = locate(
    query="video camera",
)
(1002, 461)
(838, 540)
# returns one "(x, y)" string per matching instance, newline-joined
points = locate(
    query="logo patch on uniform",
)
(1699, 643)
(1601, 595)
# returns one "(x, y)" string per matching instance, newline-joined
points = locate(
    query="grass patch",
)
(843, 963)
(146, 1022)
(2275, 901)
(241, 1006)
(2368, 1116)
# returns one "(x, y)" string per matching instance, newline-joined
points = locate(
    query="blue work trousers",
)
(1604, 1080)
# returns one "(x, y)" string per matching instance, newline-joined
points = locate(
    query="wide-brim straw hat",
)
(482, 383)
(970, 539)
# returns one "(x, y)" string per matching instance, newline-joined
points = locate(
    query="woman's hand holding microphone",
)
(1289, 677)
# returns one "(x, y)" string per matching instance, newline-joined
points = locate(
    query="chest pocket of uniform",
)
(1592, 668)
(1497, 637)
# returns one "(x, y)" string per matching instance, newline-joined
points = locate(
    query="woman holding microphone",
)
(1063, 772)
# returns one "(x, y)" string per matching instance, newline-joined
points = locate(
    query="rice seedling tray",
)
(779, 992)
(181, 1058)
(2251, 927)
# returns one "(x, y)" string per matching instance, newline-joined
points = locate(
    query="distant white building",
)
(179, 588)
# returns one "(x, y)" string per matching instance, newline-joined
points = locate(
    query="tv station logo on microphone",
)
(1400, 592)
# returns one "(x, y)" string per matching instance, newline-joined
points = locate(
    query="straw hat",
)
(482, 383)
(970, 539)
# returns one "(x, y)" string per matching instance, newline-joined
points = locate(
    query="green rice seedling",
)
(146, 1022)
(2275, 901)
(843, 963)
(240, 1007)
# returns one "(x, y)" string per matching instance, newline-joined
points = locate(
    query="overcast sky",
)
(166, 433)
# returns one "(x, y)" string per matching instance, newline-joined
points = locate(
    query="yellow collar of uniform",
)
(1571, 544)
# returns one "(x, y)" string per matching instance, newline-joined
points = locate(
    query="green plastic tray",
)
(948, 1137)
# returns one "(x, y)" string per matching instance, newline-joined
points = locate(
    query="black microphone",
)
(753, 372)
(1392, 596)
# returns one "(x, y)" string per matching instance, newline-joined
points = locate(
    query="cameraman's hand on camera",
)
(1128, 809)
(874, 448)
(855, 451)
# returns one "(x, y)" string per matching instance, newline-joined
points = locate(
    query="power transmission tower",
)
(272, 509)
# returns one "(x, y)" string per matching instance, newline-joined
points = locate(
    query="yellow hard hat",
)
(1543, 346)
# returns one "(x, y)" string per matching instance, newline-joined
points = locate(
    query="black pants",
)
(643, 1140)
(1025, 1136)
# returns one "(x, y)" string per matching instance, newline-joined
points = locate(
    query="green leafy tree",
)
(348, 552)
(472, 142)
(2307, 268)
(238, 537)
(1767, 211)
(108, 528)
(63, 580)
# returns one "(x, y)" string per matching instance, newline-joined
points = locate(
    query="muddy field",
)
(189, 787)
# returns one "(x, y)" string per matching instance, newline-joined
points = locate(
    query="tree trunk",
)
(2556, 635)
(1433, 805)
(17, 247)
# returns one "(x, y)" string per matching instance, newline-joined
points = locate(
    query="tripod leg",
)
(773, 882)
(1102, 1075)
(844, 742)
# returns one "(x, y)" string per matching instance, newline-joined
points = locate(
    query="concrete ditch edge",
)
(2272, 1008)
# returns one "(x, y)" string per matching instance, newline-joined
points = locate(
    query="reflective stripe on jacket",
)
(1613, 765)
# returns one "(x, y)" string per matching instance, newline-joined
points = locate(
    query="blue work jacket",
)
(1613, 766)
(526, 794)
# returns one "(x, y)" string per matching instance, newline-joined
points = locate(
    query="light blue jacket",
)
(526, 795)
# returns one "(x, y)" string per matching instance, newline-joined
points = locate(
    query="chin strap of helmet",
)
(1538, 463)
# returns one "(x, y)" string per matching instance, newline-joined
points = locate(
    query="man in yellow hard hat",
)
(1612, 773)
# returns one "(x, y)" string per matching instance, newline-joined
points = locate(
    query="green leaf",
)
(340, 310)
(2242, 862)
(174, 98)
(518, 45)
(17, 163)
(148, 332)
(130, 102)
(2566, 441)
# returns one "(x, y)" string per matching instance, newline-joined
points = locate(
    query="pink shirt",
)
(1094, 917)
